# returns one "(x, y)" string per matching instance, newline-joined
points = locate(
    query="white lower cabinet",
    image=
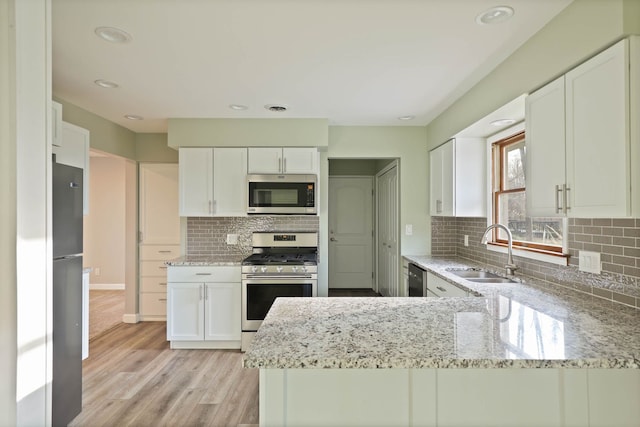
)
(438, 287)
(203, 307)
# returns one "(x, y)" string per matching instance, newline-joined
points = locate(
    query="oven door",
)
(258, 296)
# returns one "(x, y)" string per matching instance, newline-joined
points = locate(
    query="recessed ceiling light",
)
(495, 15)
(238, 107)
(106, 84)
(113, 35)
(406, 117)
(277, 108)
(502, 122)
(133, 117)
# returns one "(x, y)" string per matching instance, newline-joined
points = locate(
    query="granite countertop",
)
(519, 325)
(216, 260)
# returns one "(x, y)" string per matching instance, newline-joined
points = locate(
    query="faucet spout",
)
(511, 267)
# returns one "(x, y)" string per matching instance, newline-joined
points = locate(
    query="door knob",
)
(333, 239)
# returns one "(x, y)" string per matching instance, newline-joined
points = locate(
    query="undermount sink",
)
(481, 276)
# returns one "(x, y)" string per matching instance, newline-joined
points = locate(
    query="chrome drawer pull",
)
(203, 274)
(440, 288)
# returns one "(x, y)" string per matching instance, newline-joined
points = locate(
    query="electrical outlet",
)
(96, 271)
(408, 229)
(232, 239)
(589, 262)
(466, 240)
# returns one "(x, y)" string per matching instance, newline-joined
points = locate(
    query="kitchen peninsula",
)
(520, 354)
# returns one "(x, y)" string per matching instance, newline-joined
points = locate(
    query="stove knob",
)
(279, 269)
(263, 269)
(294, 269)
(304, 269)
(254, 269)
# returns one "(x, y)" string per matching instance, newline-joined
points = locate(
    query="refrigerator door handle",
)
(74, 185)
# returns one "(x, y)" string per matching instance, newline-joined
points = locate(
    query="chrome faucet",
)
(510, 266)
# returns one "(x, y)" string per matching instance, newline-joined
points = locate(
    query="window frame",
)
(497, 188)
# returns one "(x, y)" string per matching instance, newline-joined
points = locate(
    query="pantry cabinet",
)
(213, 181)
(580, 148)
(203, 308)
(302, 160)
(457, 177)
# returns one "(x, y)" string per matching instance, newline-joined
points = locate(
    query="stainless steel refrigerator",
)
(67, 294)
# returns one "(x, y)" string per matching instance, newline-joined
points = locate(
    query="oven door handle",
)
(274, 279)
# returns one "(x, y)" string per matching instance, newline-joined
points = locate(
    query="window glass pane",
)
(514, 166)
(540, 230)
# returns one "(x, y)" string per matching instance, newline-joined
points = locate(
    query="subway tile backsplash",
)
(617, 240)
(207, 236)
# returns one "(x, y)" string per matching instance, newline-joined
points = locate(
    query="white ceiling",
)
(354, 62)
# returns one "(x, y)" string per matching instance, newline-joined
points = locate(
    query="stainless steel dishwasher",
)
(417, 281)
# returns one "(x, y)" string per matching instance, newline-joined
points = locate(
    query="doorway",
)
(354, 211)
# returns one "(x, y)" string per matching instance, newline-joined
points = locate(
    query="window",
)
(509, 201)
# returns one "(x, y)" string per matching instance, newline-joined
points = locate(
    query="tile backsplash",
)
(617, 240)
(207, 236)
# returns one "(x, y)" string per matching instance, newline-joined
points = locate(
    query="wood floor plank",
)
(132, 377)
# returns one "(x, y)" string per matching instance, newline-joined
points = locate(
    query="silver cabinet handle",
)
(558, 191)
(210, 207)
(284, 165)
(203, 274)
(162, 284)
(438, 206)
(162, 299)
(164, 252)
(200, 288)
(440, 288)
(280, 164)
(333, 239)
(566, 198)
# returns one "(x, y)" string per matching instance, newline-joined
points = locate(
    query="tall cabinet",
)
(159, 239)
(582, 153)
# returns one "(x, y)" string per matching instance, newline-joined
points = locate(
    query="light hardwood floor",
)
(133, 378)
(106, 308)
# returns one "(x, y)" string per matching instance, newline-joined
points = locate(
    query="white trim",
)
(106, 287)
(538, 256)
(130, 318)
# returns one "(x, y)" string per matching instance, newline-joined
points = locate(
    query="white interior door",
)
(387, 208)
(350, 232)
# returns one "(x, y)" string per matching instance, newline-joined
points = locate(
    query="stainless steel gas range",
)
(283, 264)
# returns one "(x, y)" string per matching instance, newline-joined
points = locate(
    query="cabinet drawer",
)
(442, 288)
(159, 252)
(153, 284)
(204, 274)
(153, 304)
(153, 268)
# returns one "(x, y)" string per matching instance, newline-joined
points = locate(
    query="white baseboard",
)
(131, 318)
(106, 286)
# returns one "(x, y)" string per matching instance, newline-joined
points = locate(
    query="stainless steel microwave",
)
(289, 194)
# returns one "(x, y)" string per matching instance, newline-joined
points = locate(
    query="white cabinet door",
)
(222, 311)
(442, 173)
(300, 160)
(545, 142)
(196, 181)
(74, 151)
(265, 160)
(230, 181)
(185, 312)
(159, 218)
(597, 144)
(469, 188)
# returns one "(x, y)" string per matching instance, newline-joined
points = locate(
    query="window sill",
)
(557, 259)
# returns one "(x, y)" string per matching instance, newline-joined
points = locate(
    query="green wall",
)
(105, 135)
(581, 30)
(248, 132)
(152, 147)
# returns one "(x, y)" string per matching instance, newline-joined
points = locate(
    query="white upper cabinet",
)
(196, 181)
(74, 151)
(579, 143)
(213, 181)
(458, 178)
(56, 114)
(230, 181)
(283, 160)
